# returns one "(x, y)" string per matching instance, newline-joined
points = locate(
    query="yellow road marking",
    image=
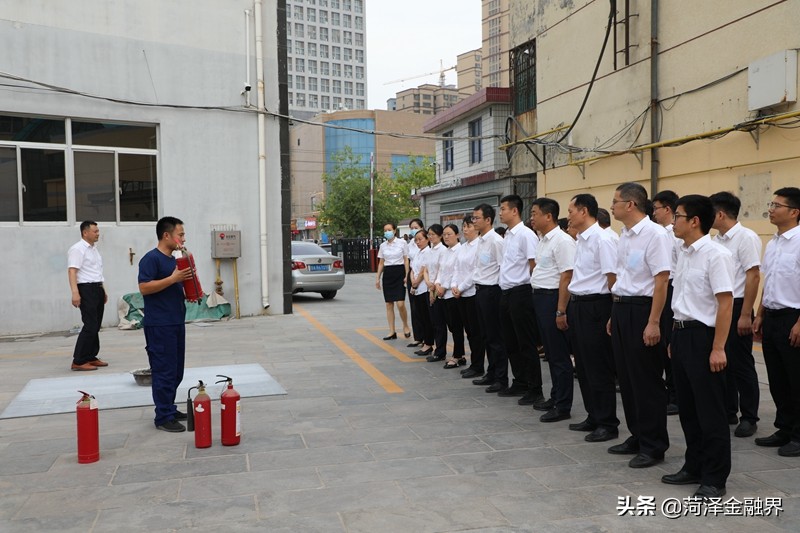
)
(385, 347)
(379, 377)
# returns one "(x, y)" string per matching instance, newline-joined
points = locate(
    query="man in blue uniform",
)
(164, 316)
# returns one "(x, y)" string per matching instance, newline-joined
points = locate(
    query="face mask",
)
(413, 232)
(388, 235)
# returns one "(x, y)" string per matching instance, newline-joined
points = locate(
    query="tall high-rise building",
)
(495, 45)
(327, 55)
(469, 68)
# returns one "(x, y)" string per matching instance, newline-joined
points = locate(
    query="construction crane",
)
(441, 72)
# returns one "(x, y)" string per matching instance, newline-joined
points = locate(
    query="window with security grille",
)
(523, 77)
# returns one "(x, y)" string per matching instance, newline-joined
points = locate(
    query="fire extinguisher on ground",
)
(199, 416)
(88, 429)
(230, 409)
(191, 287)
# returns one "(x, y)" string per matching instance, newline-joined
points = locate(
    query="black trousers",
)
(472, 327)
(666, 335)
(416, 325)
(439, 321)
(556, 348)
(420, 310)
(783, 369)
(639, 371)
(487, 300)
(453, 317)
(92, 304)
(701, 404)
(742, 384)
(594, 358)
(518, 322)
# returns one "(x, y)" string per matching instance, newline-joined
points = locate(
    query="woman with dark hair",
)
(463, 288)
(435, 233)
(394, 267)
(419, 293)
(444, 288)
(413, 228)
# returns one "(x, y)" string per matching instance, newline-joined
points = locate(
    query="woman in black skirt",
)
(393, 264)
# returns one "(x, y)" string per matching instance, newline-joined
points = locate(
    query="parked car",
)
(327, 247)
(315, 270)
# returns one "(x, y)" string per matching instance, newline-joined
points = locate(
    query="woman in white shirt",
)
(463, 288)
(394, 267)
(414, 226)
(419, 293)
(444, 288)
(438, 248)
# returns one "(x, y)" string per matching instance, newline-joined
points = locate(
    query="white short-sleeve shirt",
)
(595, 257)
(86, 259)
(490, 254)
(555, 255)
(643, 253)
(419, 262)
(745, 246)
(781, 268)
(392, 252)
(519, 247)
(704, 270)
(465, 268)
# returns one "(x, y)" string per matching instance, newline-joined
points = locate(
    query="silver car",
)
(315, 270)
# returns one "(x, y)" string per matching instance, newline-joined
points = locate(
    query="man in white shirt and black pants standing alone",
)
(778, 321)
(85, 271)
(639, 294)
(702, 304)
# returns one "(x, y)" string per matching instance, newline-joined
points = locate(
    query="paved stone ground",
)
(339, 453)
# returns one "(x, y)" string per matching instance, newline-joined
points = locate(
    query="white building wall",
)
(163, 54)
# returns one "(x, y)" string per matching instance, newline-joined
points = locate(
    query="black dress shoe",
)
(706, 492)
(644, 461)
(672, 409)
(414, 344)
(773, 441)
(530, 399)
(601, 435)
(745, 429)
(495, 387)
(485, 380)
(391, 337)
(629, 447)
(513, 390)
(544, 405)
(790, 450)
(434, 358)
(554, 415)
(469, 373)
(681, 477)
(424, 352)
(180, 416)
(583, 426)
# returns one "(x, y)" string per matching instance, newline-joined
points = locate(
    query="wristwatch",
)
(560, 313)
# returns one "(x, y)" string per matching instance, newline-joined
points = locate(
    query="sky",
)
(406, 38)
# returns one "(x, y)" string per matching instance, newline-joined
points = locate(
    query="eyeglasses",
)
(615, 202)
(775, 205)
(676, 216)
(656, 208)
(474, 218)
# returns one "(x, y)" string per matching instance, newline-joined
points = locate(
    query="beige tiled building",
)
(469, 69)
(495, 25)
(427, 99)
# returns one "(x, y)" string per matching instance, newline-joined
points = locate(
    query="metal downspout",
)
(655, 116)
(262, 154)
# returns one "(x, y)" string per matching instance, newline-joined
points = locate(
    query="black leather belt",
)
(92, 283)
(588, 297)
(479, 287)
(639, 300)
(686, 324)
(781, 312)
(545, 291)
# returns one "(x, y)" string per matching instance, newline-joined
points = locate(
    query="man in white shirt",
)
(85, 272)
(702, 306)
(664, 204)
(517, 317)
(778, 320)
(487, 298)
(745, 246)
(588, 313)
(555, 257)
(604, 219)
(639, 294)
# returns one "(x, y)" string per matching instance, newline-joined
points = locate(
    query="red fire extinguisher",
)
(199, 419)
(231, 408)
(191, 287)
(88, 429)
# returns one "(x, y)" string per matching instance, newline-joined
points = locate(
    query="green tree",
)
(345, 210)
(418, 172)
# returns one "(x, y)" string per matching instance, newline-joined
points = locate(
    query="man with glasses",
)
(702, 305)
(778, 321)
(745, 247)
(639, 294)
(487, 298)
